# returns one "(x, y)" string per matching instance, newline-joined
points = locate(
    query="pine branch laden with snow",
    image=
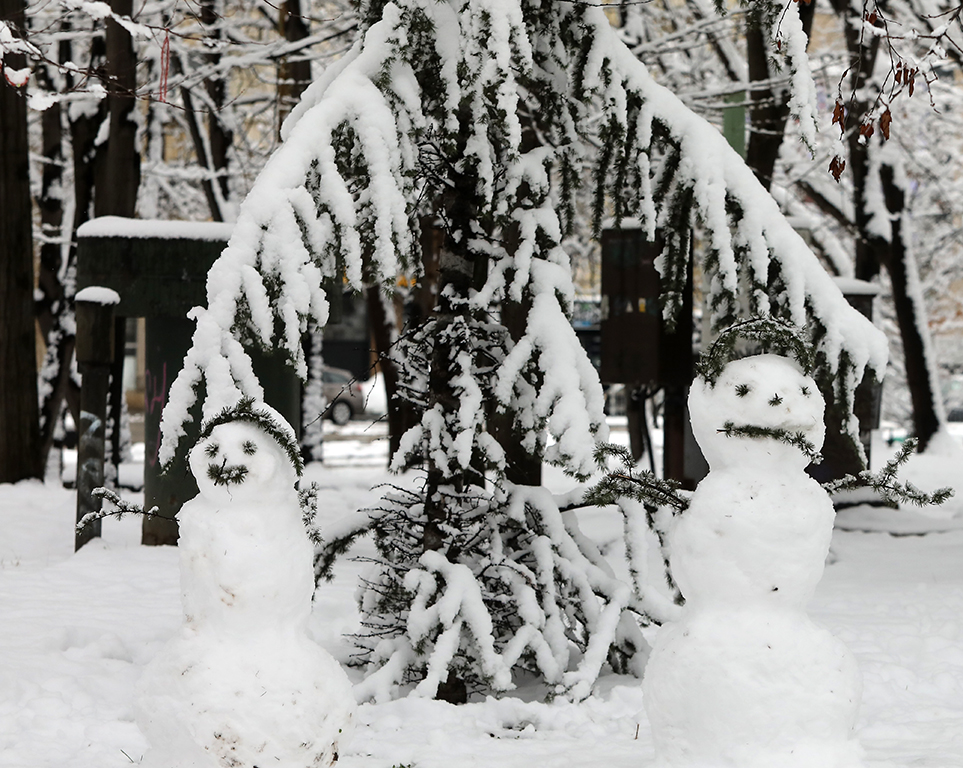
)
(452, 440)
(426, 614)
(340, 196)
(480, 114)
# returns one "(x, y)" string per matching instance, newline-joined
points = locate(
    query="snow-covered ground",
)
(76, 630)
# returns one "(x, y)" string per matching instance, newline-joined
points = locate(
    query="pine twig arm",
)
(628, 482)
(886, 484)
(336, 539)
(121, 508)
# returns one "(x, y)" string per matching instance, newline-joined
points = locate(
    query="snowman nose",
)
(775, 400)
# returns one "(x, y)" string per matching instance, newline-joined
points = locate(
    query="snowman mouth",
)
(227, 474)
(791, 435)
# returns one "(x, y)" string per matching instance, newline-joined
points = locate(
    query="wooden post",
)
(19, 425)
(95, 354)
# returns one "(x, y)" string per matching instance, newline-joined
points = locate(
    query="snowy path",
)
(76, 629)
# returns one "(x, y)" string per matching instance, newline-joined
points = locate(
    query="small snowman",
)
(744, 679)
(242, 685)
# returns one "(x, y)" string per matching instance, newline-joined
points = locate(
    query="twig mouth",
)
(227, 474)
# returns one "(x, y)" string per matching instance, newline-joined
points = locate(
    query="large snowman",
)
(242, 685)
(744, 679)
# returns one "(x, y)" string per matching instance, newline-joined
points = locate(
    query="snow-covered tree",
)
(482, 116)
(874, 58)
(883, 68)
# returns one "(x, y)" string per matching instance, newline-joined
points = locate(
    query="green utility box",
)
(160, 268)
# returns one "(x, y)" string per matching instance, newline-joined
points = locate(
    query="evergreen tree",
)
(483, 116)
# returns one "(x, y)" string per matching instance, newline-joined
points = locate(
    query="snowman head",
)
(759, 408)
(245, 453)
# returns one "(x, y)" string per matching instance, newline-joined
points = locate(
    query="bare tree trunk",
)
(769, 109)
(522, 467)
(400, 413)
(118, 174)
(294, 76)
(219, 136)
(118, 166)
(910, 316)
(212, 150)
(19, 424)
(83, 130)
(864, 60)
(51, 204)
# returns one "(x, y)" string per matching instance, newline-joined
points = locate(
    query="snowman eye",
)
(212, 450)
(249, 447)
(805, 391)
(775, 400)
(742, 390)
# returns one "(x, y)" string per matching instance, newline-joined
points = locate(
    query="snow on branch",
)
(747, 238)
(305, 221)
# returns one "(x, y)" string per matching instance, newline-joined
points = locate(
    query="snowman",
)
(744, 679)
(242, 685)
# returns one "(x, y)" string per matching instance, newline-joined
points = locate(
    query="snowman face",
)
(238, 461)
(765, 392)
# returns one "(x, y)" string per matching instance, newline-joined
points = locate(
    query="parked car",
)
(343, 393)
(954, 423)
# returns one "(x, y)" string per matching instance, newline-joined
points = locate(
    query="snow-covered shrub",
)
(519, 589)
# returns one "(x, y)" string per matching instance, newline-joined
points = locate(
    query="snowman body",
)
(744, 679)
(242, 684)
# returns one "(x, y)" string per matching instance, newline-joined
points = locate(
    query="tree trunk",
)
(521, 466)
(863, 60)
(119, 163)
(83, 130)
(294, 75)
(872, 252)
(51, 204)
(401, 414)
(910, 315)
(51, 307)
(19, 423)
(118, 173)
(768, 110)
(212, 150)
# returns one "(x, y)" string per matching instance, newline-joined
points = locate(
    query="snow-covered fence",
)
(159, 269)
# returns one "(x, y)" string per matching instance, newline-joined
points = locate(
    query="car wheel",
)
(340, 413)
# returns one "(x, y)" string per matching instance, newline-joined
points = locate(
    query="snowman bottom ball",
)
(752, 689)
(257, 702)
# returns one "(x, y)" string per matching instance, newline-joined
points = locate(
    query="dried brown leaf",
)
(839, 113)
(884, 122)
(837, 166)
